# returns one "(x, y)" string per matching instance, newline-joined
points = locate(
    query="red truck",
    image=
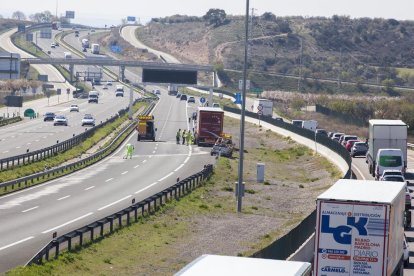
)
(209, 125)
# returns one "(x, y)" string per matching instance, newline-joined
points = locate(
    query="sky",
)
(99, 13)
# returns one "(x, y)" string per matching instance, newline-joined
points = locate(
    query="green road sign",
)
(256, 90)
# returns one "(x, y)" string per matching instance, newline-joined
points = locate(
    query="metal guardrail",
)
(96, 230)
(34, 156)
(30, 179)
(4, 122)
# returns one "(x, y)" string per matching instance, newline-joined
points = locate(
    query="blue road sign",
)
(131, 19)
(116, 49)
(202, 100)
(238, 98)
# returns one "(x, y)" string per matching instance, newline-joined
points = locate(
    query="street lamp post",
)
(240, 173)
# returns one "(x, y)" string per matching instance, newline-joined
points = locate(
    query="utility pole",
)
(300, 64)
(243, 109)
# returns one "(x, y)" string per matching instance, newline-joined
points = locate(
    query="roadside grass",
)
(153, 245)
(405, 71)
(54, 161)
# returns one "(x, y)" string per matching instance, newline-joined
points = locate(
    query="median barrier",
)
(37, 155)
(69, 168)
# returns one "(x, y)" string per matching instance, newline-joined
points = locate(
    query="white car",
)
(156, 92)
(109, 83)
(74, 107)
(53, 45)
(88, 120)
(60, 120)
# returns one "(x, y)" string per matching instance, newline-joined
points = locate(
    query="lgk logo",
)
(341, 234)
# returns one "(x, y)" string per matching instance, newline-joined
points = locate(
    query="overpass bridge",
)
(122, 64)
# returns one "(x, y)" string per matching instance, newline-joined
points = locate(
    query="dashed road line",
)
(62, 198)
(30, 209)
(91, 187)
(110, 179)
(136, 166)
(146, 188)
(125, 172)
(66, 223)
(113, 203)
(186, 160)
(16, 243)
(145, 161)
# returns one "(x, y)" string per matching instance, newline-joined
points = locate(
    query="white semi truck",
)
(386, 134)
(216, 265)
(85, 43)
(359, 229)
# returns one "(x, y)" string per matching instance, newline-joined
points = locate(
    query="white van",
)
(119, 92)
(388, 159)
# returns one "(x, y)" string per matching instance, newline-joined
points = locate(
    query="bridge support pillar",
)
(122, 72)
(71, 69)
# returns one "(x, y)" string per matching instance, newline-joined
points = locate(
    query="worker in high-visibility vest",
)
(189, 138)
(178, 135)
(129, 151)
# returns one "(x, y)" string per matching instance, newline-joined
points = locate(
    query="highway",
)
(32, 215)
(35, 134)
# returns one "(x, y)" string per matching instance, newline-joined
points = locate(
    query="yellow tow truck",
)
(146, 128)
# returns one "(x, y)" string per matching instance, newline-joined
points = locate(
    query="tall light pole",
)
(246, 46)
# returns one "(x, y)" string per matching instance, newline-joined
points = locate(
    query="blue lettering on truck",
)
(341, 234)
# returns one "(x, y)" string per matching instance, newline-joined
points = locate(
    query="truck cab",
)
(146, 128)
(388, 159)
(93, 97)
(119, 92)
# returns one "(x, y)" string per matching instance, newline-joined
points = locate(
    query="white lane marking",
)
(30, 209)
(146, 188)
(359, 171)
(110, 179)
(91, 187)
(156, 144)
(186, 160)
(37, 140)
(150, 156)
(145, 161)
(113, 203)
(62, 198)
(18, 147)
(5, 151)
(136, 166)
(171, 173)
(125, 172)
(29, 143)
(16, 243)
(179, 167)
(153, 151)
(66, 223)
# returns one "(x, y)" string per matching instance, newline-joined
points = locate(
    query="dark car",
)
(321, 132)
(359, 148)
(49, 116)
(178, 95)
(183, 97)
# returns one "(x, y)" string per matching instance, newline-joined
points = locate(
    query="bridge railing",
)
(107, 225)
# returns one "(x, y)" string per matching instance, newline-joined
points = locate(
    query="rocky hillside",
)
(364, 50)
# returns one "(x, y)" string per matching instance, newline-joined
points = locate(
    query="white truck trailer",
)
(85, 43)
(207, 265)
(359, 229)
(310, 124)
(264, 106)
(386, 134)
(95, 48)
